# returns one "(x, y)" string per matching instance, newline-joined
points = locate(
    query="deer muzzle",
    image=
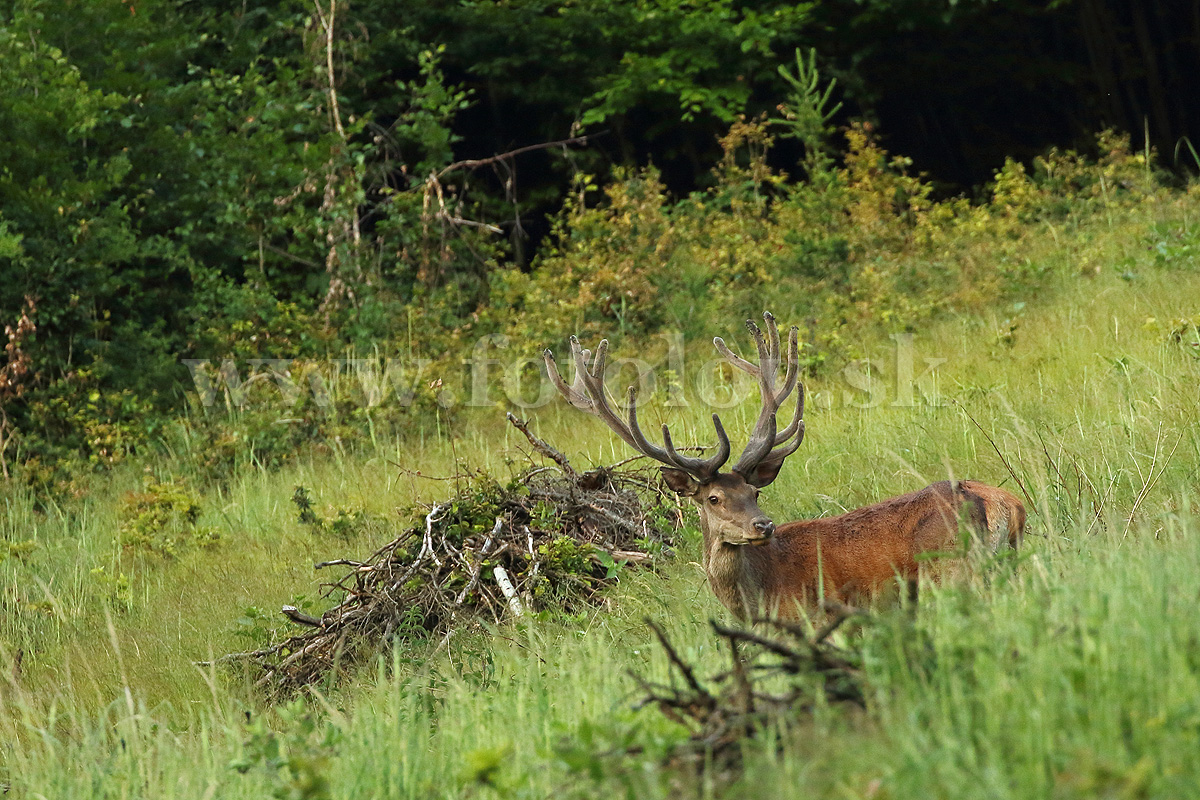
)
(763, 529)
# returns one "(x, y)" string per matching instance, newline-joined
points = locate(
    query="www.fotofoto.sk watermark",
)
(485, 377)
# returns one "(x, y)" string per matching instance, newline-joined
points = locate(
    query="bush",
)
(162, 519)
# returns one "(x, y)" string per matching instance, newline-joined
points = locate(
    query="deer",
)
(754, 566)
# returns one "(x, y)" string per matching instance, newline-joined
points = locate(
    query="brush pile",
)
(551, 538)
(771, 677)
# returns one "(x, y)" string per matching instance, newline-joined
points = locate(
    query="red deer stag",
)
(754, 566)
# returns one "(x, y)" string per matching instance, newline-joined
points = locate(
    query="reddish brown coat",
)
(856, 554)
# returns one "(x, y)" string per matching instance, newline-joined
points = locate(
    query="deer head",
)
(728, 501)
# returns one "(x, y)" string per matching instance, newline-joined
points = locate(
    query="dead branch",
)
(737, 706)
(299, 617)
(541, 446)
(473, 163)
(544, 542)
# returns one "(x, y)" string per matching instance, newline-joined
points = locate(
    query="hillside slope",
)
(1074, 674)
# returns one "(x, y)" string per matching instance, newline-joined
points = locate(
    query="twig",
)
(483, 554)
(416, 473)
(542, 447)
(487, 226)
(684, 668)
(841, 612)
(745, 692)
(770, 645)
(611, 517)
(338, 562)
(299, 617)
(479, 162)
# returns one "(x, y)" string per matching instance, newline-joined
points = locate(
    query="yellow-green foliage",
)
(565, 555)
(871, 248)
(17, 550)
(603, 267)
(162, 519)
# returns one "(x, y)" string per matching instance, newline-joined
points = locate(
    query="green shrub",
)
(162, 519)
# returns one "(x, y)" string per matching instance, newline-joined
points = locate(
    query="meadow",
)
(1073, 672)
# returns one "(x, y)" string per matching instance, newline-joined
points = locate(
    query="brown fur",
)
(846, 557)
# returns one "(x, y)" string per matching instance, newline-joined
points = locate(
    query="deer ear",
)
(764, 473)
(680, 482)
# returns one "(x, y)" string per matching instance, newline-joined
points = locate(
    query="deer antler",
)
(587, 394)
(766, 446)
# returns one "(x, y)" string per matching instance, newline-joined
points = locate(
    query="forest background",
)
(185, 182)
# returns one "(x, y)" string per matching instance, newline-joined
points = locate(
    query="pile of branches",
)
(771, 678)
(550, 538)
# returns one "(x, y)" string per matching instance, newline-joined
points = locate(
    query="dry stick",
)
(542, 447)
(683, 666)
(416, 473)
(753, 638)
(427, 543)
(433, 184)
(744, 689)
(426, 550)
(225, 659)
(1152, 480)
(842, 613)
(636, 556)
(483, 554)
(479, 162)
(1003, 460)
(510, 594)
(339, 562)
(613, 518)
(299, 617)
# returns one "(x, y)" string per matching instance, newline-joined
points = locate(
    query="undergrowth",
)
(1052, 351)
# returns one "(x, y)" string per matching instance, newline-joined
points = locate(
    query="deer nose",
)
(764, 526)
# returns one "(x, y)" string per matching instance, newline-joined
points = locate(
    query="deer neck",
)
(733, 572)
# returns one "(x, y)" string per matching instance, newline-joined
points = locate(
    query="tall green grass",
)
(1074, 674)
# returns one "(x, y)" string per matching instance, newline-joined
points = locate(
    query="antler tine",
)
(765, 436)
(574, 394)
(706, 467)
(640, 442)
(764, 352)
(587, 393)
(783, 448)
(773, 341)
(702, 469)
(732, 357)
(593, 382)
(789, 383)
(760, 444)
(793, 365)
(601, 360)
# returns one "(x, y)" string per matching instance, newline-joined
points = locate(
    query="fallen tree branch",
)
(541, 446)
(550, 541)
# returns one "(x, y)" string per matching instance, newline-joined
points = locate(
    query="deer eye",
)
(712, 498)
